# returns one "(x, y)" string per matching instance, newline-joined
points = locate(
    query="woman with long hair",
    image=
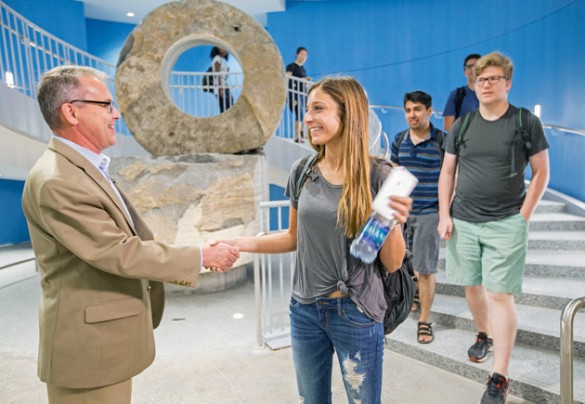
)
(337, 302)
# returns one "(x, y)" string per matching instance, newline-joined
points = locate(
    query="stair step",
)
(556, 222)
(561, 263)
(537, 326)
(552, 293)
(556, 240)
(535, 372)
(545, 206)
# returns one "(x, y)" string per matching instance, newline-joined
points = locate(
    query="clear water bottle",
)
(366, 245)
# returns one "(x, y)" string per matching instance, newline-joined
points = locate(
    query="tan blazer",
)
(96, 321)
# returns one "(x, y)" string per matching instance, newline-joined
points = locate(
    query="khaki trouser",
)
(119, 393)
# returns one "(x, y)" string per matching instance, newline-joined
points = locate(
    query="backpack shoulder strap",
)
(440, 138)
(306, 166)
(459, 96)
(464, 125)
(524, 133)
(402, 137)
(400, 140)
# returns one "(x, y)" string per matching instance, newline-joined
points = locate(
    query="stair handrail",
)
(563, 129)
(566, 349)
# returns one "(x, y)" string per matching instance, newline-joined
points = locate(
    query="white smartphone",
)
(399, 182)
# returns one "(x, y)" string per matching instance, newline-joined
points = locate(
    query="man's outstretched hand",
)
(219, 257)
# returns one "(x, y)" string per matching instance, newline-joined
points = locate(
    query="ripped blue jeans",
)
(336, 325)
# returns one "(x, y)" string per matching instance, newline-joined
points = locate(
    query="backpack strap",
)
(306, 165)
(400, 140)
(520, 129)
(464, 125)
(459, 96)
(439, 139)
(524, 133)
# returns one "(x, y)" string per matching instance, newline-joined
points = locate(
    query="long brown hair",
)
(356, 199)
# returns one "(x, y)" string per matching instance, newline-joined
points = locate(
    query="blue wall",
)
(62, 18)
(393, 47)
(567, 152)
(14, 228)
(105, 38)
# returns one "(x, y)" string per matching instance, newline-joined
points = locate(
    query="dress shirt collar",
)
(100, 161)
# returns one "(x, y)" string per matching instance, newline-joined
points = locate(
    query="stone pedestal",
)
(191, 200)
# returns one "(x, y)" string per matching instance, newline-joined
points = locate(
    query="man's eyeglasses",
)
(469, 66)
(109, 104)
(492, 80)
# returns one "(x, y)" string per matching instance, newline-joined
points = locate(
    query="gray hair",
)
(57, 87)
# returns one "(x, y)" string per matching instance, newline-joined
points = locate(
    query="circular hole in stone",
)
(205, 80)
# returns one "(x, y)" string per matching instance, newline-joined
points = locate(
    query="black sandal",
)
(424, 330)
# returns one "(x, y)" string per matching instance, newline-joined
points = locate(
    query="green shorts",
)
(491, 254)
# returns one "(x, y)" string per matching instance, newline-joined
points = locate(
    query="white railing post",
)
(272, 286)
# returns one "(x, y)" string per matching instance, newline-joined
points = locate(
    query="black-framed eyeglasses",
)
(469, 66)
(109, 104)
(492, 80)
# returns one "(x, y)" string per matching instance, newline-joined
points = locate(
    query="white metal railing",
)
(273, 281)
(297, 90)
(28, 51)
(193, 96)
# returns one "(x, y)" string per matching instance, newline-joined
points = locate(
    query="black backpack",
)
(207, 81)
(399, 290)
(399, 287)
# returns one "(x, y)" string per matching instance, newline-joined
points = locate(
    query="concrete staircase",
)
(554, 275)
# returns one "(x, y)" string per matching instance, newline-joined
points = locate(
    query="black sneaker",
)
(478, 351)
(496, 390)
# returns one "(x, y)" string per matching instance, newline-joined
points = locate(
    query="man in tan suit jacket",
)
(101, 271)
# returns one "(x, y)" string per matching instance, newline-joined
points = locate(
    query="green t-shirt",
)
(491, 164)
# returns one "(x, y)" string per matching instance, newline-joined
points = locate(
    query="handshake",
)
(219, 256)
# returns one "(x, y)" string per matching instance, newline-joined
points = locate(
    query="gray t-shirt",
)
(322, 248)
(492, 160)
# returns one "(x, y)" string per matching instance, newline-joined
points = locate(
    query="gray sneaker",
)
(496, 390)
(478, 351)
